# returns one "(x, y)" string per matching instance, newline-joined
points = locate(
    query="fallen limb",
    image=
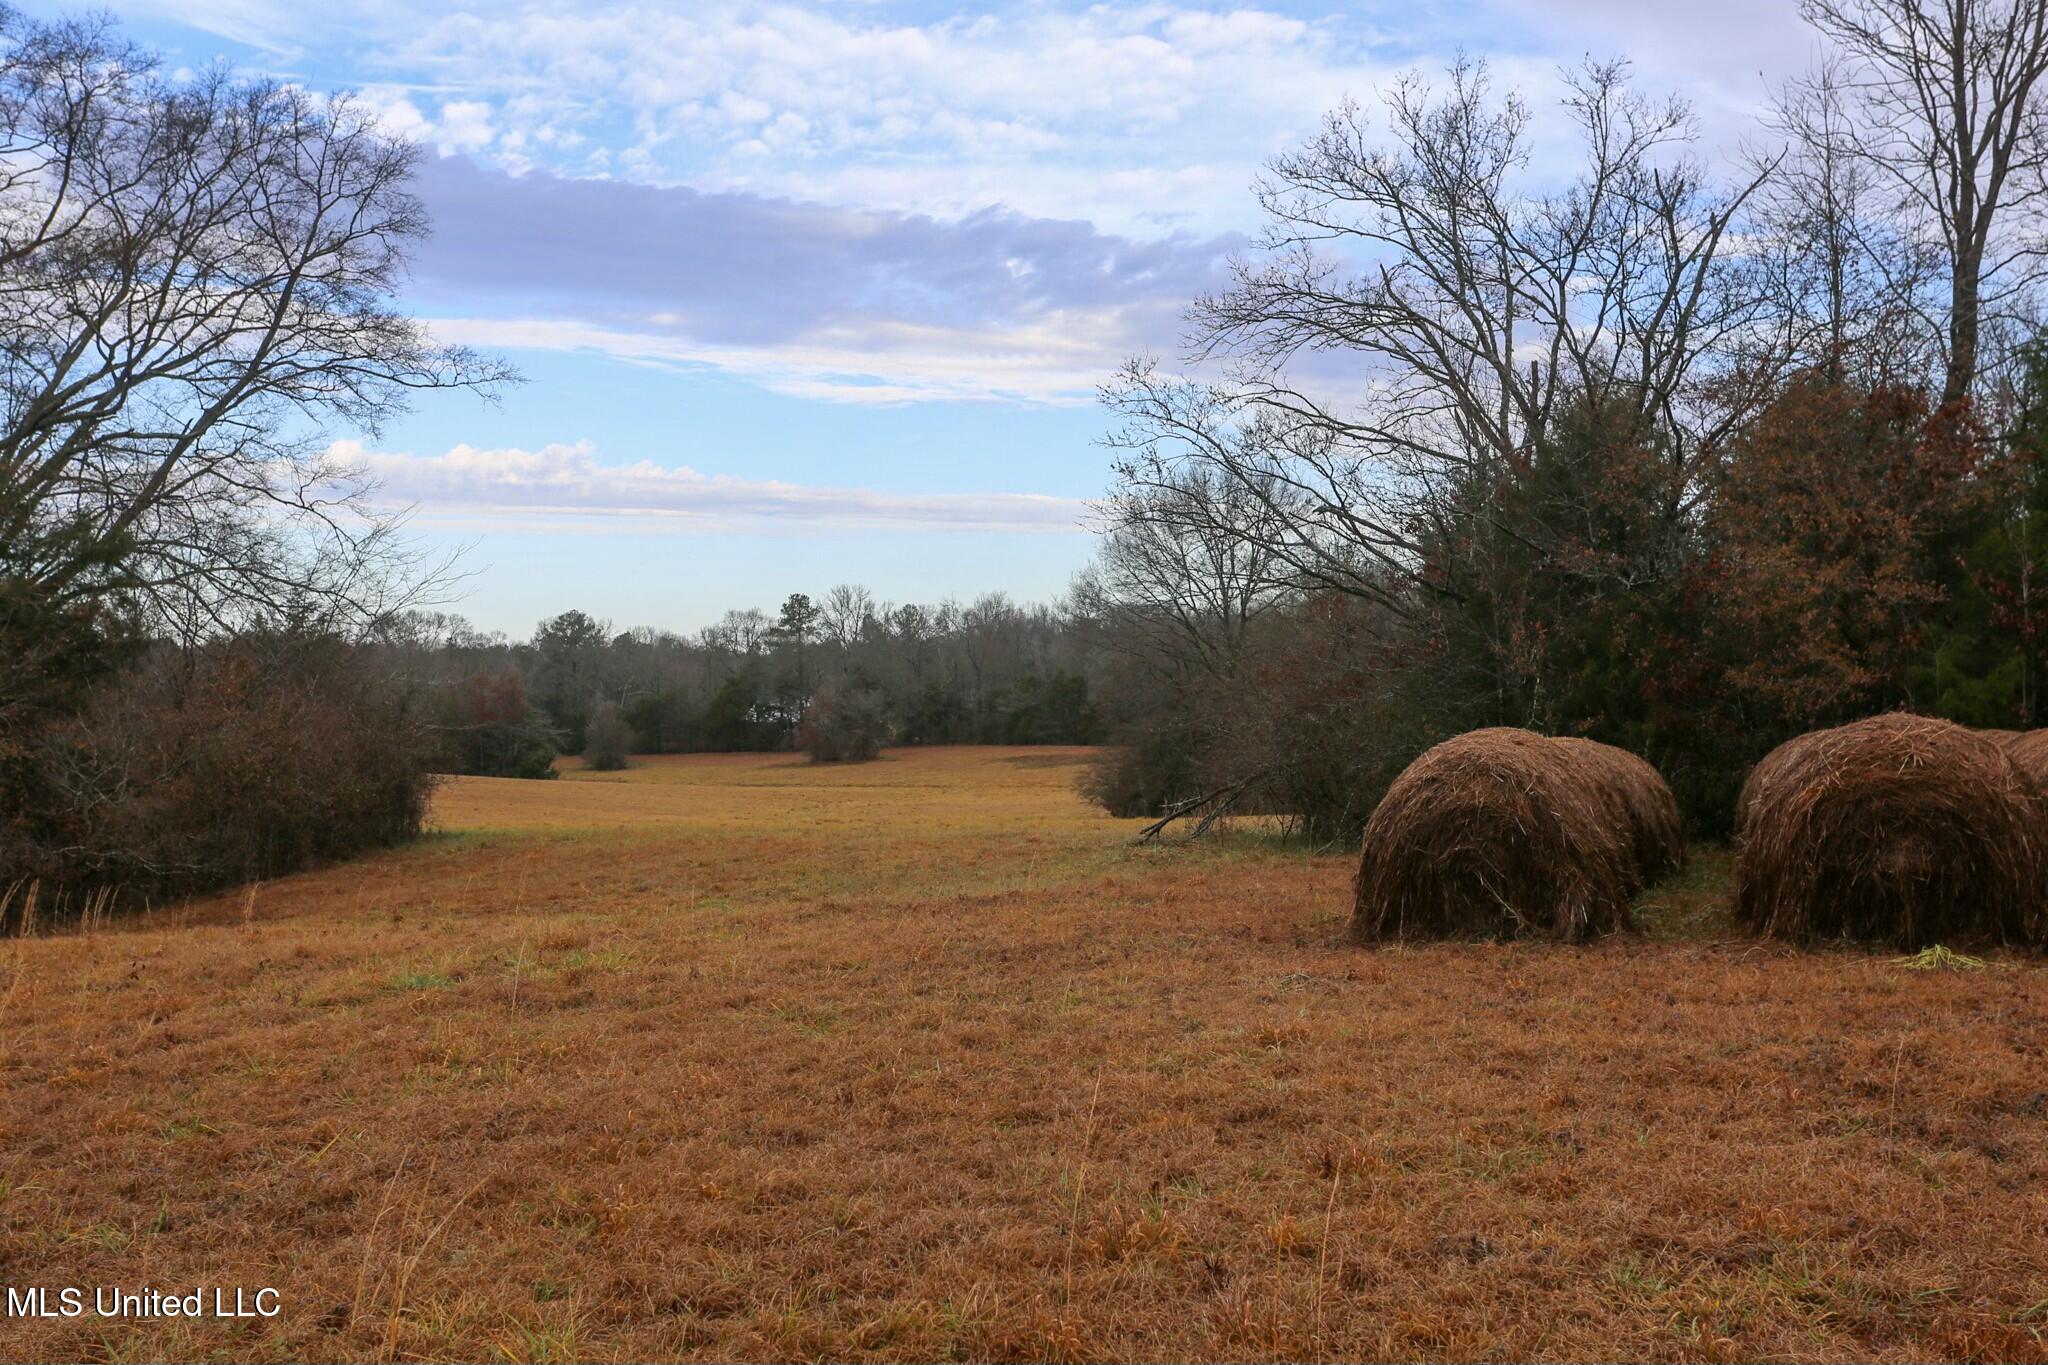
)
(1220, 800)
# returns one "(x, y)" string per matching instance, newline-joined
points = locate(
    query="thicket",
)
(193, 769)
(608, 740)
(1858, 551)
(487, 728)
(199, 280)
(844, 726)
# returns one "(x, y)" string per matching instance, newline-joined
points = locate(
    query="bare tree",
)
(740, 633)
(1848, 277)
(1948, 107)
(199, 282)
(1471, 311)
(988, 637)
(1183, 571)
(911, 634)
(845, 614)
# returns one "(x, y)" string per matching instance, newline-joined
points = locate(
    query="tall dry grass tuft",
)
(21, 896)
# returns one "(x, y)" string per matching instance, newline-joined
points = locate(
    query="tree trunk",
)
(1961, 374)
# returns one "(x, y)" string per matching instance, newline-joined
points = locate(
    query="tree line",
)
(198, 281)
(861, 672)
(1683, 458)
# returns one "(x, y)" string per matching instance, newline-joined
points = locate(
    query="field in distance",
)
(734, 1056)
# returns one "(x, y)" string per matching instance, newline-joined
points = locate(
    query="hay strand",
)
(2028, 749)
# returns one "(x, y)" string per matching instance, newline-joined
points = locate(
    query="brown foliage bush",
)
(489, 729)
(608, 740)
(239, 760)
(844, 725)
(1499, 833)
(1897, 829)
(1828, 525)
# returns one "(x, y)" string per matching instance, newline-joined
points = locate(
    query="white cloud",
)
(395, 111)
(1057, 359)
(1131, 116)
(270, 26)
(465, 126)
(1052, 107)
(564, 488)
(785, 98)
(1127, 115)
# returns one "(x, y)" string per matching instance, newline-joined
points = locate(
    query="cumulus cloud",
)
(564, 487)
(780, 97)
(800, 97)
(1052, 108)
(465, 126)
(868, 204)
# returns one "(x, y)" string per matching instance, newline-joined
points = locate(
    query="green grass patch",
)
(1696, 903)
(422, 981)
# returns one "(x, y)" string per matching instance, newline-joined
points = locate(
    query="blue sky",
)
(818, 293)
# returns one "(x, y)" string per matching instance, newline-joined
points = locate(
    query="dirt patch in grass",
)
(736, 1058)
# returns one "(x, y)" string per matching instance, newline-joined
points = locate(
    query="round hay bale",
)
(1656, 829)
(1771, 769)
(1498, 833)
(1898, 829)
(2028, 749)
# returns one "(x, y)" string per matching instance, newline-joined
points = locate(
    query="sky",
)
(804, 294)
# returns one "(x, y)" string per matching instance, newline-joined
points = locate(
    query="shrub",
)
(731, 721)
(1154, 768)
(239, 760)
(607, 739)
(844, 726)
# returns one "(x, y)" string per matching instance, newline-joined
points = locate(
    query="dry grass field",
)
(738, 1057)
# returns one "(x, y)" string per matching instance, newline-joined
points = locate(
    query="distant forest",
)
(987, 672)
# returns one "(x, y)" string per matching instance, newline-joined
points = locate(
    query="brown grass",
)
(747, 1058)
(1897, 829)
(1499, 833)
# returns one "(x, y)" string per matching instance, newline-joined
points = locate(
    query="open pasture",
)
(734, 1056)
